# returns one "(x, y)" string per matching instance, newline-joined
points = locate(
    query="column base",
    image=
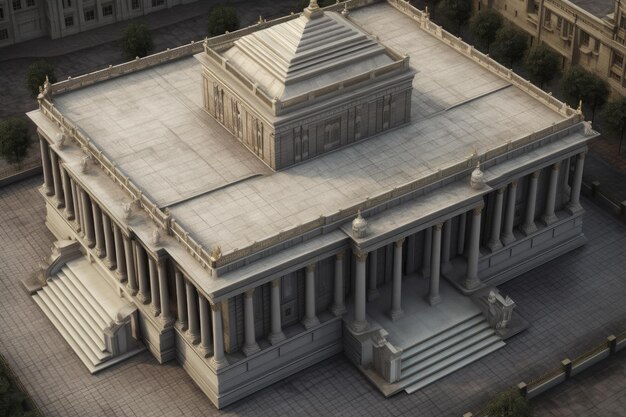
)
(471, 283)
(359, 326)
(120, 277)
(59, 204)
(132, 291)
(155, 310)
(249, 350)
(338, 310)
(574, 209)
(434, 300)
(181, 325)
(528, 229)
(100, 253)
(494, 245)
(143, 298)
(309, 322)
(275, 338)
(218, 364)
(110, 264)
(396, 314)
(193, 337)
(205, 351)
(549, 219)
(167, 321)
(69, 215)
(48, 190)
(508, 239)
(372, 294)
(90, 243)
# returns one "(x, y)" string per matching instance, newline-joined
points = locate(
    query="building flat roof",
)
(598, 8)
(152, 124)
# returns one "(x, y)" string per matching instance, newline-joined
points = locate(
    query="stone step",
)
(419, 381)
(89, 299)
(76, 313)
(442, 336)
(78, 342)
(440, 353)
(66, 283)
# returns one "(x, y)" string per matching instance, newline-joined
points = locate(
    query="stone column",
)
(339, 308)
(47, 169)
(445, 246)
(144, 278)
(494, 241)
(566, 194)
(205, 327)
(219, 359)
(155, 300)
(69, 195)
(166, 313)
(97, 222)
(120, 255)
(396, 290)
(435, 264)
(574, 206)
(109, 243)
(373, 293)
(310, 319)
(250, 346)
(56, 179)
(460, 250)
(181, 301)
(428, 242)
(76, 203)
(508, 236)
(471, 280)
(529, 226)
(88, 219)
(276, 335)
(360, 322)
(192, 313)
(130, 266)
(549, 216)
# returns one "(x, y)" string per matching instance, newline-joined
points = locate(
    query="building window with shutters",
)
(107, 10)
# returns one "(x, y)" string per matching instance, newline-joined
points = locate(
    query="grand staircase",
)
(446, 352)
(89, 314)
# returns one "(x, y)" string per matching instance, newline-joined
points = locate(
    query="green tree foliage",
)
(508, 404)
(542, 64)
(13, 402)
(484, 27)
(509, 46)
(222, 19)
(614, 117)
(36, 75)
(579, 84)
(137, 41)
(455, 13)
(14, 140)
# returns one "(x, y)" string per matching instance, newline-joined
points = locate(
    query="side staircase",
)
(89, 314)
(446, 352)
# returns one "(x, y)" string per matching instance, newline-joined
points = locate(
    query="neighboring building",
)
(589, 33)
(22, 20)
(300, 188)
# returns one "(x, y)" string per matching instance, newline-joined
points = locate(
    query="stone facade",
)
(240, 316)
(590, 35)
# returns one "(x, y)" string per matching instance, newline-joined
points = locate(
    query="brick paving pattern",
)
(572, 303)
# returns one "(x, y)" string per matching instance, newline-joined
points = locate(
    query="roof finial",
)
(313, 5)
(313, 10)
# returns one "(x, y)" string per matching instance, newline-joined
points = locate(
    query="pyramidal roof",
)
(306, 53)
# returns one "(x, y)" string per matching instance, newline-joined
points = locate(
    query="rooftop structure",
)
(184, 179)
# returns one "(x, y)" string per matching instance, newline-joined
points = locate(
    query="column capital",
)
(478, 209)
(276, 282)
(399, 243)
(581, 156)
(310, 268)
(340, 255)
(535, 174)
(360, 256)
(556, 166)
(500, 190)
(249, 293)
(439, 226)
(514, 183)
(214, 307)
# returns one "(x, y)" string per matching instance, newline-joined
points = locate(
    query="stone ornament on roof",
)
(313, 11)
(477, 181)
(588, 128)
(156, 237)
(216, 253)
(61, 139)
(359, 226)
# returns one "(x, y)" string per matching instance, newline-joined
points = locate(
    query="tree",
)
(579, 84)
(222, 19)
(36, 75)
(456, 12)
(542, 64)
(484, 27)
(509, 404)
(509, 45)
(614, 116)
(14, 140)
(137, 41)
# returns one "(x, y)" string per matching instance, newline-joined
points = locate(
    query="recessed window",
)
(90, 14)
(332, 134)
(1, 13)
(69, 21)
(156, 3)
(134, 4)
(618, 59)
(107, 10)
(4, 34)
(30, 3)
(17, 4)
(67, 4)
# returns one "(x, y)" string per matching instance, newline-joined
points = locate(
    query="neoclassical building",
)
(349, 180)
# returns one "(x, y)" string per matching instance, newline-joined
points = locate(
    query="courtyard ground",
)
(572, 304)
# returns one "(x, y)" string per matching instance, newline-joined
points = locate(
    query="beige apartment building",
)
(591, 33)
(22, 20)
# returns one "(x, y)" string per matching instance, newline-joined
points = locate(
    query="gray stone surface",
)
(572, 303)
(599, 8)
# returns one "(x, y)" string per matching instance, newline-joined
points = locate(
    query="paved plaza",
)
(572, 303)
